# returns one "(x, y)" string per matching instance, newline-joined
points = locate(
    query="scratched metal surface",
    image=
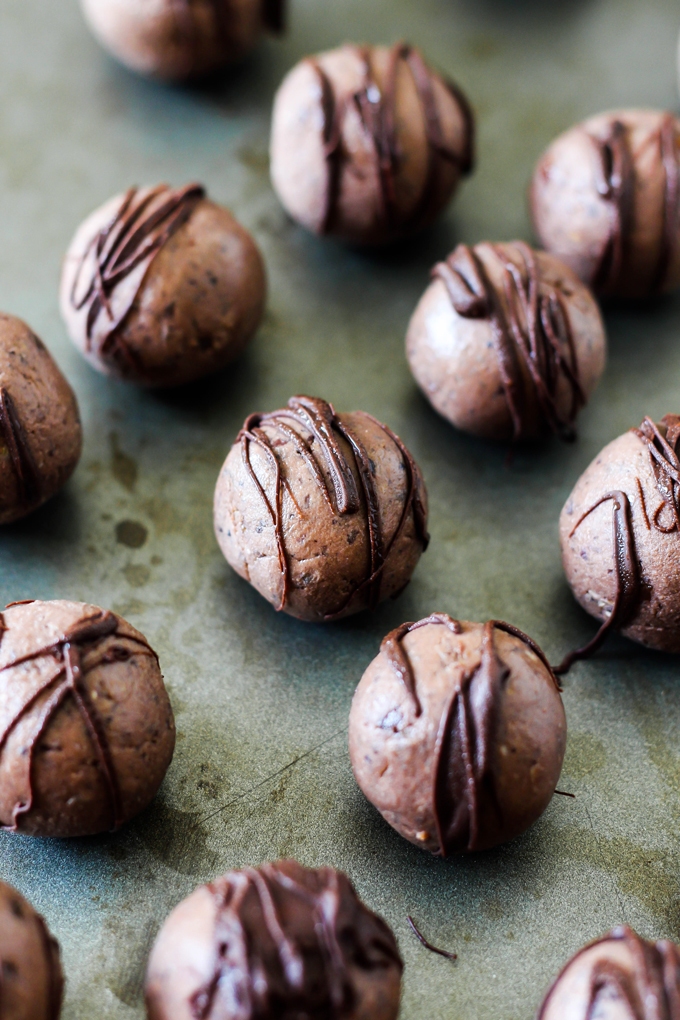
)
(261, 768)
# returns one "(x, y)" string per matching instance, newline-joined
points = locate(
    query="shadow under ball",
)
(31, 978)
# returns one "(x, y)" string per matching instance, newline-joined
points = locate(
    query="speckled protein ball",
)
(620, 537)
(280, 941)
(618, 977)
(31, 979)
(86, 729)
(181, 39)
(457, 733)
(40, 434)
(506, 342)
(605, 199)
(368, 143)
(324, 514)
(161, 287)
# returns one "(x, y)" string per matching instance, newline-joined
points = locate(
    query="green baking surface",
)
(261, 768)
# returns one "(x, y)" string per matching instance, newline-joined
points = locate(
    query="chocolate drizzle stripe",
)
(668, 146)
(615, 183)
(14, 436)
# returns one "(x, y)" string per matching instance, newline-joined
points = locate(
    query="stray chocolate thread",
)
(428, 945)
(616, 184)
(563, 793)
(531, 328)
(649, 987)
(15, 439)
(69, 680)
(319, 418)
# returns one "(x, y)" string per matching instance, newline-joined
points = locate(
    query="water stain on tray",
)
(131, 533)
(177, 839)
(123, 467)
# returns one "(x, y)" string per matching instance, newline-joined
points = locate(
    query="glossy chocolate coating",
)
(273, 942)
(31, 979)
(457, 733)
(86, 728)
(160, 286)
(324, 514)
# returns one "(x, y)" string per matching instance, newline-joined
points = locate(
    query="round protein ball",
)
(368, 143)
(40, 434)
(161, 286)
(617, 977)
(324, 514)
(86, 728)
(457, 733)
(176, 40)
(620, 538)
(31, 979)
(506, 342)
(279, 940)
(605, 197)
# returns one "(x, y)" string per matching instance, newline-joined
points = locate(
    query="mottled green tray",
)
(261, 768)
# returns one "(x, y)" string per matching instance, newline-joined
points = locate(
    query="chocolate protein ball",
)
(273, 942)
(506, 342)
(457, 733)
(618, 977)
(86, 728)
(161, 286)
(40, 434)
(605, 197)
(324, 514)
(368, 143)
(31, 979)
(620, 537)
(177, 40)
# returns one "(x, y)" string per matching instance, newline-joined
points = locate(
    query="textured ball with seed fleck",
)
(31, 979)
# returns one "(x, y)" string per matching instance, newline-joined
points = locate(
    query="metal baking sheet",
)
(261, 701)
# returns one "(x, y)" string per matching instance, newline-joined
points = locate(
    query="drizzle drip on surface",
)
(615, 183)
(532, 334)
(466, 734)
(71, 654)
(428, 945)
(318, 418)
(13, 434)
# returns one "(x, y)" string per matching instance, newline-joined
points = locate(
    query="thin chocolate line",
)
(668, 152)
(428, 945)
(21, 458)
(563, 793)
(616, 184)
(643, 505)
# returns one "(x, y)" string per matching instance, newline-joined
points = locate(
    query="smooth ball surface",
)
(324, 514)
(161, 286)
(277, 941)
(457, 733)
(86, 728)
(40, 434)
(368, 143)
(31, 979)
(506, 342)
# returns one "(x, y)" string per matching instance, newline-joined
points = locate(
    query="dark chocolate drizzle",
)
(286, 939)
(531, 330)
(69, 652)
(342, 495)
(615, 183)
(377, 109)
(467, 730)
(143, 223)
(15, 439)
(650, 986)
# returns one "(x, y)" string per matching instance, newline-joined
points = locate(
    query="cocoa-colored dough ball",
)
(161, 286)
(273, 942)
(605, 198)
(618, 977)
(368, 143)
(31, 979)
(176, 40)
(620, 537)
(86, 728)
(457, 733)
(324, 514)
(506, 342)
(40, 434)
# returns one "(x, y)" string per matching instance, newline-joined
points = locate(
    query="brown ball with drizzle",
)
(86, 728)
(40, 434)
(506, 342)
(271, 942)
(324, 514)
(617, 977)
(605, 198)
(620, 538)
(162, 287)
(368, 143)
(31, 979)
(176, 40)
(457, 733)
